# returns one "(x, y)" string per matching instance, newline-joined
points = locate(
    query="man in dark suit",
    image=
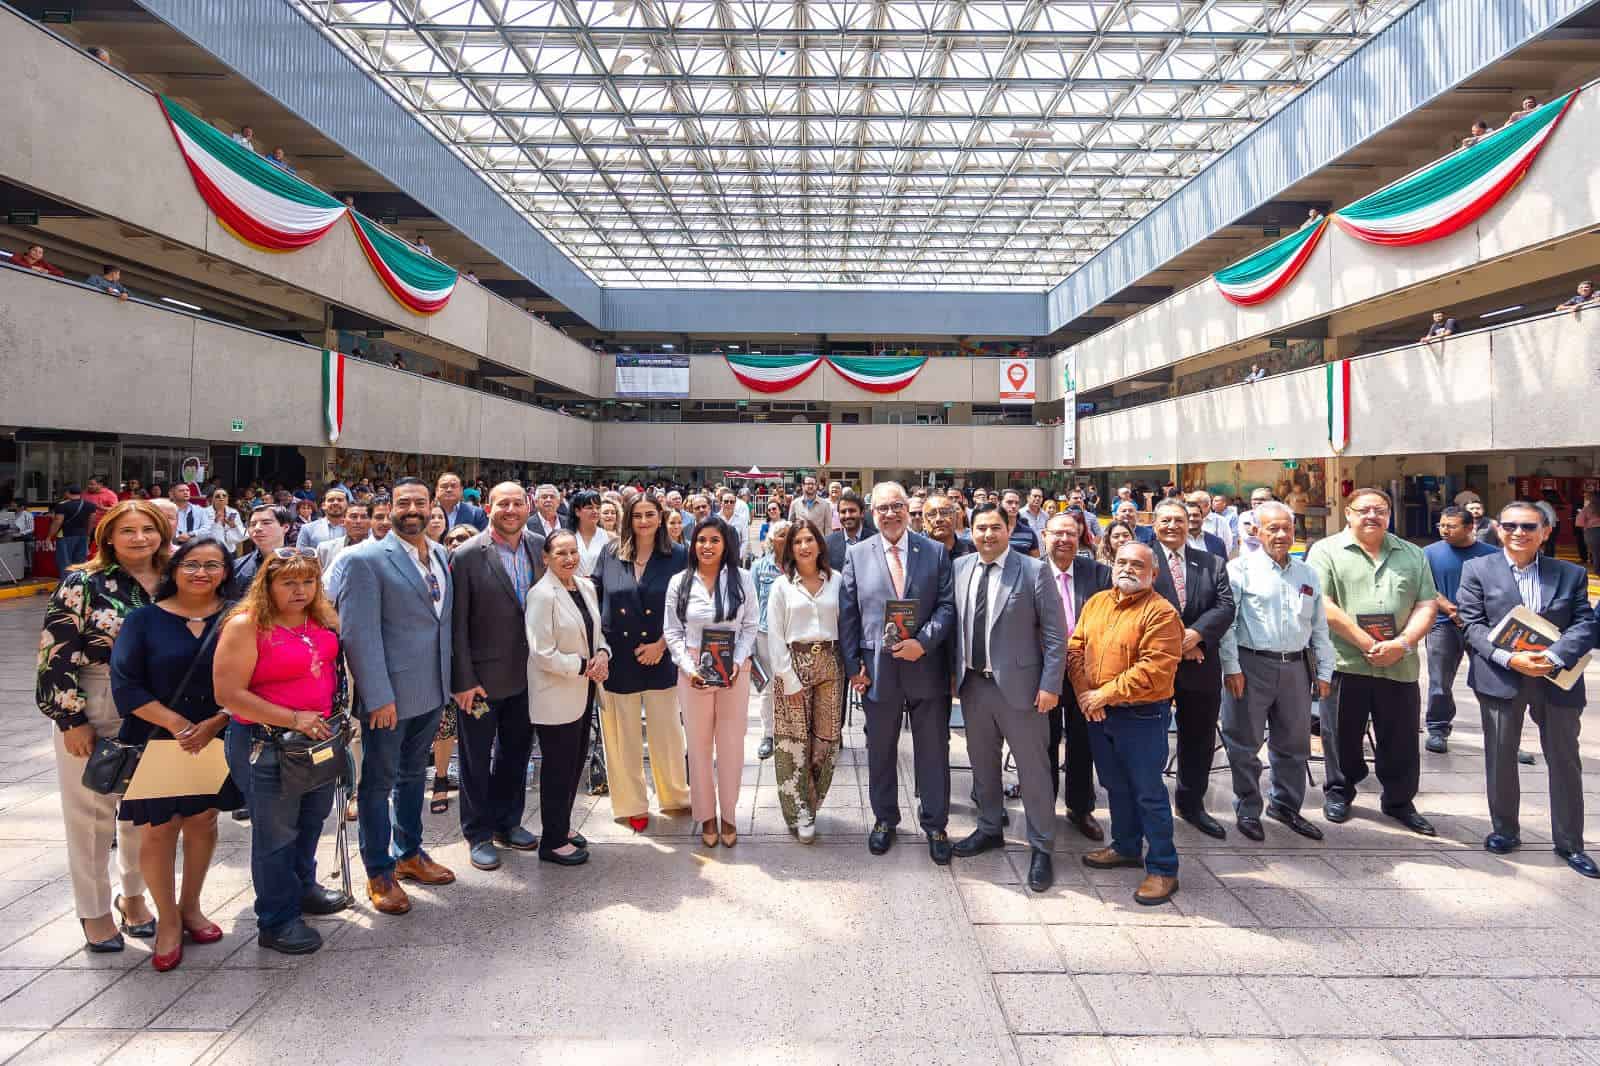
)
(1508, 682)
(1128, 511)
(851, 513)
(1198, 537)
(492, 574)
(1010, 662)
(1075, 579)
(458, 511)
(1196, 583)
(909, 676)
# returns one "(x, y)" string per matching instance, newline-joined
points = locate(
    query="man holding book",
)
(1529, 630)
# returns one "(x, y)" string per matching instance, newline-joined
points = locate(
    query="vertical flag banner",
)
(1069, 408)
(824, 443)
(1016, 381)
(1339, 406)
(332, 394)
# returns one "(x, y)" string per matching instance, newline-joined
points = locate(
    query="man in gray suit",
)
(491, 575)
(1509, 682)
(1009, 662)
(394, 617)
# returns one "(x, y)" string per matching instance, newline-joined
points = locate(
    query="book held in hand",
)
(899, 622)
(716, 656)
(1525, 630)
(1378, 626)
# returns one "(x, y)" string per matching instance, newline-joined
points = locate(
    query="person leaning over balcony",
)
(1439, 328)
(281, 161)
(33, 259)
(1530, 104)
(1480, 130)
(245, 137)
(1581, 299)
(108, 281)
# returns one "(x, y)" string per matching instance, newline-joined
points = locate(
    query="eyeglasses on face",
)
(1370, 512)
(195, 566)
(295, 553)
(892, 507)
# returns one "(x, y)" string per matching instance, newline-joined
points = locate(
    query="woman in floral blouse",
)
(74, 691)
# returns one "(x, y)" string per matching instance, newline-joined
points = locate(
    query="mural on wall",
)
(1302, 484)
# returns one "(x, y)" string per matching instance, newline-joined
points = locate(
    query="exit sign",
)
(238, 425)
(22, 218)
(374, 334)
(56, 16)
(1291, 464)
(250, 451)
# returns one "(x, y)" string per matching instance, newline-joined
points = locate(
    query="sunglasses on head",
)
(295, 553)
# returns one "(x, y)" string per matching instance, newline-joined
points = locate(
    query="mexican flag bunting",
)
(254, 200)
(1263, 275)
(417, 280)
(878, 373)
(1446, 195)
(333, 393)
(772, 373)
(824, 443)
(1338, 405)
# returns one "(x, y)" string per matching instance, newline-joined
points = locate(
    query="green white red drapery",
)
(259, 203)
(418, 281)
(332, 394)
(1446, 195)
(1338, 405)
(779, 373)
(824, 443)
(1263, 275)
(772, 373)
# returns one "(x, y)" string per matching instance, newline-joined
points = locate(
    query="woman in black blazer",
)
(631, 578)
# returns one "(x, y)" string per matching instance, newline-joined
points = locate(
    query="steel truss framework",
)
(778, 143)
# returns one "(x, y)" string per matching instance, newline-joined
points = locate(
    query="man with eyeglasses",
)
(939, 525)
(1509, 683)
(395, 608)
(903, 677)
(1379, 594)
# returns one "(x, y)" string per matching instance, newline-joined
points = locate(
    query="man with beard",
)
(851, 527)
(330, 525)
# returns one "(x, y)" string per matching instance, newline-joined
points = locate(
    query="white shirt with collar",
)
(971, 604)
(542, 528)
(433, 567)
(904, 546)
(1220, 526)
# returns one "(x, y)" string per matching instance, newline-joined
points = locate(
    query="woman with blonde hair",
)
(279, 670)
(73, 689)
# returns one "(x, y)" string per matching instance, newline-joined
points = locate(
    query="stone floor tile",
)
(1389, 1007)
(1346, 1053)
(1130, 1004)
(1477, 1007)
(154, 1048)
(1063, 1050)
(1019, 949)
(1044, 1003)
(1445, 1052)
(1217, 907)
(1219, 1007)
(987, 902)
(1304, 1006)
(71, 1047)
(51, 997)
(1096, 949)
(1279, 907)
(217, 1003)
(1567, 1007)
(134, 1001)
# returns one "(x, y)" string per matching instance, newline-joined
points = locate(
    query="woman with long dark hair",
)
(712, 592)
(1117, 534)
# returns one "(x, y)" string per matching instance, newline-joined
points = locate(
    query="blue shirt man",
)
(1447, 643)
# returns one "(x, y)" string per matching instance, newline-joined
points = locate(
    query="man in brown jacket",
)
(1122, 661)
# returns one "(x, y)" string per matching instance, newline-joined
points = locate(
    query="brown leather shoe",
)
(1109, 858)
(1155, 890)
(386, 896)
(1088, 825)
(421, 868)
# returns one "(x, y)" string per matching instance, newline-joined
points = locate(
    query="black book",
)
(899, 621)
(716, 657)
(1378, 626)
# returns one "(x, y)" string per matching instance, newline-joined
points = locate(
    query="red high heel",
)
(639, 823)
(169, 960)
(209, 933)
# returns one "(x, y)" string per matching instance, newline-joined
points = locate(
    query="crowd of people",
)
(584, 623)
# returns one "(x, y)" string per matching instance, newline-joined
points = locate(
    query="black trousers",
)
(1197, 714)
(564, 749)
(494, 767)
(1395, 710)
(1066, 721)
(930, 747)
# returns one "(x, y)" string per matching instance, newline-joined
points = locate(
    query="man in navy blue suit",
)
(1198, 537)
(1509, 682)
(909, 676)
(1128, 511)
(458, 511)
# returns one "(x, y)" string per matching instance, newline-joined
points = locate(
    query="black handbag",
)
(305, 765)
(111, 765)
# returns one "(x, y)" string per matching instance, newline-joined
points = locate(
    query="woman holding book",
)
(803, 644)
(711, 632)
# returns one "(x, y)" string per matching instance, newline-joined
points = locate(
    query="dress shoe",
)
(764, 751)
(1437, 744)
(138, 930)
(164, 961)
(939, 848)
(1500, 844)
(1154, 890)
(1109, 858)
(319, 900)
(1250, 828)
(1041, 872)
(881, 839)
(977, 842)
(576, 858)
(1336, 811)
(296, 938)
(484, 855)
(386, 895)
(421, 868)
(1205, 823)
(208, 933)
(1416, 823)
(1087, 825)
(577, 840)
(1524, 757)
(639, 823)
(729, 834)
(517, 839)
(1579, 861)
(110, 944)
(708, 833)
(1294, 820)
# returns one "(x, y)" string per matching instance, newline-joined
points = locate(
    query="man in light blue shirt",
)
(1279, 621)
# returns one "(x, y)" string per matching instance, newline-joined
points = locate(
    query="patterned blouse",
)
(83, 619)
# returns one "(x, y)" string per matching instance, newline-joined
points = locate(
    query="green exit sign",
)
(374, 334)
(1278, 343)
(22, 218)
(56, 16)
(238, 425)
(250, 451)
(1291, 464)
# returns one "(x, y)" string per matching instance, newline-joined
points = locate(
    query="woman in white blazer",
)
(568, 659)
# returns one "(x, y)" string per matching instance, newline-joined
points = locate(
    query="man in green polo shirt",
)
(1380, 597)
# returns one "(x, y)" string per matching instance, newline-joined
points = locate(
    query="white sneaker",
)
(806, 826)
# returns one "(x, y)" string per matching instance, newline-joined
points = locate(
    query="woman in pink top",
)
(278, 670)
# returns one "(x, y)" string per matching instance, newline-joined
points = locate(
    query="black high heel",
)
(139, 930)
(110, 945)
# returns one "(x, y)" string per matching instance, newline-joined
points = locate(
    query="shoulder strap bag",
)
(305, 765)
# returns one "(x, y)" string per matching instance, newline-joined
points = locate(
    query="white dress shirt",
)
(433, 567)
(1221, 527)
(794, 616)
(682, 632)
(589, 554)
(970, 607)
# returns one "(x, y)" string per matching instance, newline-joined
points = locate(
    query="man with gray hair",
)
(546, 510)
(1274, 654)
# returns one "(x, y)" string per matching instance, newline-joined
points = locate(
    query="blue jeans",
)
(394, 763)
(283, 829)
(70, 551)
(1130, 754)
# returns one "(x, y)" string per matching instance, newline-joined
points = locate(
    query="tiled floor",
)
(1374, 947)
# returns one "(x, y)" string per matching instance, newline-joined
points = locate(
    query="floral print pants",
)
(806, 729)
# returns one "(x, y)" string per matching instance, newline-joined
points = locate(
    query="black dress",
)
(150, 658)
